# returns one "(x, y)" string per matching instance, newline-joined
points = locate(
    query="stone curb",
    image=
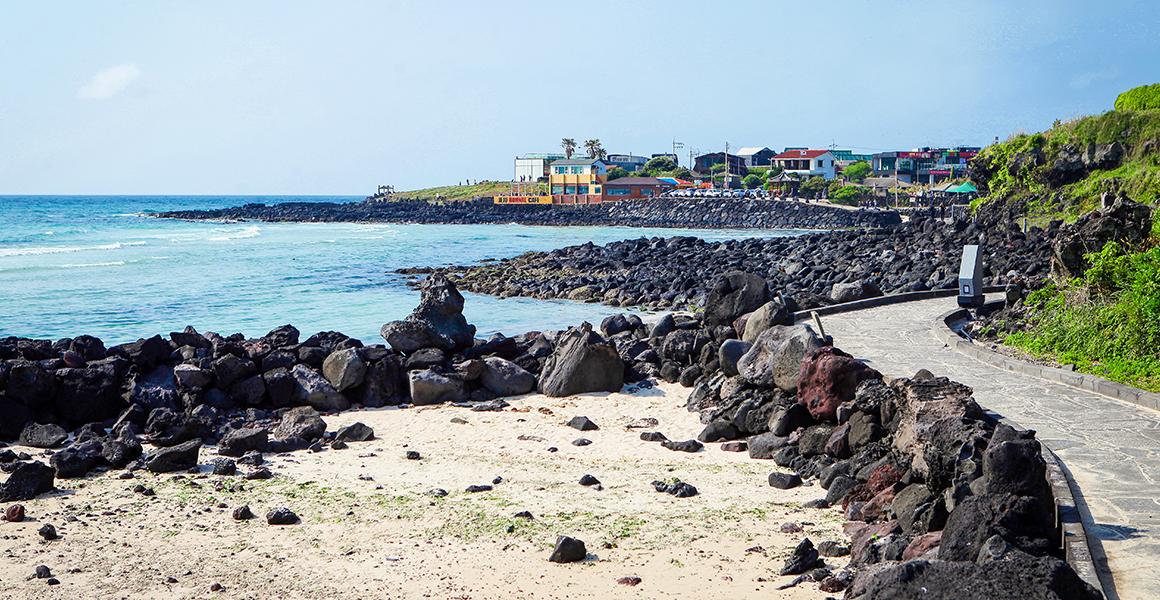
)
(1091, 383)
(877, 301)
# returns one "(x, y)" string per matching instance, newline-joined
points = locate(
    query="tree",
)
(848, 195)
(617, 173)
(753, 181)
(660, 164)
(569, 146)
(857, 171)
(813, 186)
(717, 168)
(595, 150)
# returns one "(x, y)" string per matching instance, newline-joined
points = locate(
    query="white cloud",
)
(109, 82)
(1085, 79)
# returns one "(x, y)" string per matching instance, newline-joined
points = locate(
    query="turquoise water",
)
(72, 264)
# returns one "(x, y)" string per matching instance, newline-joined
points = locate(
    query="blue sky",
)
(337, 97)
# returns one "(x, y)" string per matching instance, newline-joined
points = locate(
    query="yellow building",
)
(577, 181)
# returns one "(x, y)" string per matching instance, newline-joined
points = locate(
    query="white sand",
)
(359, 541)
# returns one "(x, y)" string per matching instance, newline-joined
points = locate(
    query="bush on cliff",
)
(1145, 97)
(1107, 323)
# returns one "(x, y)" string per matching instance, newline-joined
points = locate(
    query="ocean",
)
(72, 265)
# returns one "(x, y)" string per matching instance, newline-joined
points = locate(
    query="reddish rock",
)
(629, 581)
(735, 446)
(14, 513)
(828, 378)
(875, 509)
(922, 544)
(883, 477)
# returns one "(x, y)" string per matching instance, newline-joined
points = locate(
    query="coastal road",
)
(1112, 448)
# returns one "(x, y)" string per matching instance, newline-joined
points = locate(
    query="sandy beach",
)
(370, 529)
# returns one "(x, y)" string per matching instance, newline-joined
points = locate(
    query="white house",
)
(807, 163)
(533, 167)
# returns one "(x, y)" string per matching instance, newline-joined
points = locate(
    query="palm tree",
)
(595, 150)
(569, 146)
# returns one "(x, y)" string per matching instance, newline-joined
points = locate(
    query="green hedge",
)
(1145, 97)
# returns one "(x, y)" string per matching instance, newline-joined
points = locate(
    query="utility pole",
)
(728, 170)
(676, 145)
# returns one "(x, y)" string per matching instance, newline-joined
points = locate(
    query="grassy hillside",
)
(1106, 322)
(1035, 167)
(460, 192)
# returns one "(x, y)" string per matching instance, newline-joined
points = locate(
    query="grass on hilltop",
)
(485, 189)
(1138, 175)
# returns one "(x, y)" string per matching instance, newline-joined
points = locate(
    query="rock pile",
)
(816, 269)
(663, 212)
(155, 402)
(939, 497)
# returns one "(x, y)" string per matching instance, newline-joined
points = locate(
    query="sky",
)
(294, 97)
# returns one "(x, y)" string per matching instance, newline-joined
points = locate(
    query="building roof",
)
(751, 150)
(802, 154)
(542, 155)
(575, 162)
(637, 181)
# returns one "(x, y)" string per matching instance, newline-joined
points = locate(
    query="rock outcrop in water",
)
(816, 269)
(662, 212)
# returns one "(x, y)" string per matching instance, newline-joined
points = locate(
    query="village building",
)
(628, 162)
(846, 158)
(630, 188)
(925, 165)
(534, 166)
(703, 164)
(577, 180)
(757, 156)
(807, 163)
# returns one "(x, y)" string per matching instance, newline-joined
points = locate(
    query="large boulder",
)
(854, 290)
(43, 435)
(1125, 222)
(582, 361)
(27, 481)
(430, 387)
(344, 369)
(89, 394)
(192, 376)
(314, 390)
(301, 423)
(776, 356)
(174, 458)
(734, 294)
(828, 378)
(237, 442)
(77, 460)
(383, 384)
(1019, 520)
(154, 389)
(774, 312)
(30, 384)
(438, 322)
(505, 378)
(1015, 577)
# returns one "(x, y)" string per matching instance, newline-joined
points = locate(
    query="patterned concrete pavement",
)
(1112, 448)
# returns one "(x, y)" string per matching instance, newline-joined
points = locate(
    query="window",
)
(561, 170)
(618, 192)
(577, 170)
(581, 189)
(569, 189)
(557, 190)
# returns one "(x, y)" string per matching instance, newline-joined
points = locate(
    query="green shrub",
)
(752, 181)
(1145, 97)
(1107, 323)
(857, 171)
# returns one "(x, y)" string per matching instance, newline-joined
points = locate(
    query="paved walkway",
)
(1112, 448)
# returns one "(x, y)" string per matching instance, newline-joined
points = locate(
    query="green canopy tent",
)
(963, 188)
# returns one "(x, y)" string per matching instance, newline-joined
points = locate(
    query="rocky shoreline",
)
(666, 212)
(938, 497)
(816, 269)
